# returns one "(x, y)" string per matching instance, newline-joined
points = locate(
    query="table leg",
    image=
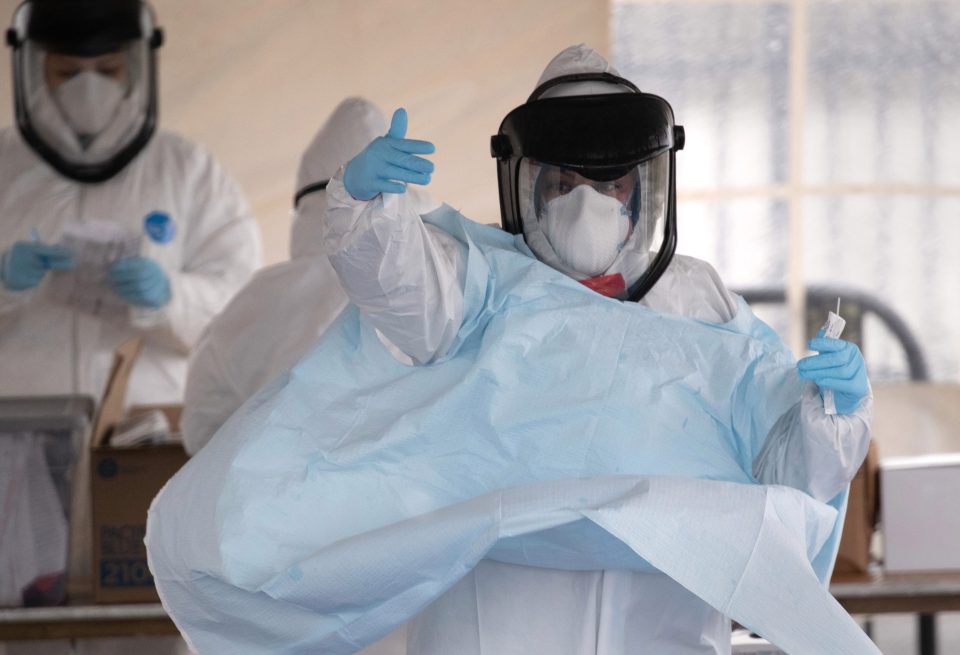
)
(927, 634)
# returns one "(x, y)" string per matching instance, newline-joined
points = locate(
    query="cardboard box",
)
(123, 482)
(861, 520)
(920, 522)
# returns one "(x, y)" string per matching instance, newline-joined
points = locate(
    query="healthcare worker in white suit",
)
(586, 175)
(273, 320)
(86, 148)
(285, 308)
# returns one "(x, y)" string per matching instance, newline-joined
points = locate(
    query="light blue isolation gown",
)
(561, 429)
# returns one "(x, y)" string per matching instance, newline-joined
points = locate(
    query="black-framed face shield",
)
(85, 82)
(590, 183)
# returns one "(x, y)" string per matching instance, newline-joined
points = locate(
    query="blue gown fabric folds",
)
(561, 429)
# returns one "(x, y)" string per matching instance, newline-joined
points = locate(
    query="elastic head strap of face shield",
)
(308, 189)
(582, 77)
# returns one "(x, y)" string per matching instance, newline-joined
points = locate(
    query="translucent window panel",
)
(724, 69)
(883, 92)
(904, 251)
(881, 109)
(743, 240)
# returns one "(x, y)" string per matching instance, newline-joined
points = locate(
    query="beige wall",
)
(253, 80)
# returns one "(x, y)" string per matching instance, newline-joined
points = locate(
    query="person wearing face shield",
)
(86, 149)
(587, 178)
(286, 307)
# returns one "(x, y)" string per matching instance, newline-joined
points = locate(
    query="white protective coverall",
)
(504, 609)
(272, 321)
(49, 349)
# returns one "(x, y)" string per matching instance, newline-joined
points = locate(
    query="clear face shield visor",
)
(603, 227)
(89, 94)
(86, 114)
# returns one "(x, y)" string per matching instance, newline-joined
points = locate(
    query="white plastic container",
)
(919, 514)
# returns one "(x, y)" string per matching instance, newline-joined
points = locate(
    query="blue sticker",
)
(159, 227)
(107, 468)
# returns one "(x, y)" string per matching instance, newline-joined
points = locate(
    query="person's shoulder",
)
(169, 139)
(7, 134)
(275, 309)
(693, 267)
(250, 305)
(11, 141)
(451, 222)
(176, 147)
(691, 287)
(271, 286)
(22, 171)
(182, 158)
(276, 276)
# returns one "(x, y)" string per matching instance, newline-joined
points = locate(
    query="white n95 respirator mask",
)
(88, 102)
(586, 228)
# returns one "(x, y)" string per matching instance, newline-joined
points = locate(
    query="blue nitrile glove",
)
(140, 281)
(25, 264)
(840, 367)
(388, 162)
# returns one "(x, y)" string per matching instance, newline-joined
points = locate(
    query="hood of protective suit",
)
(352, 125)
(578, 59)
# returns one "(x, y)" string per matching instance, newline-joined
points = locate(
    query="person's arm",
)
(809, 449)
(404, 276)
(806, 448)
(221, 251)
(23, 266)
(812, 451)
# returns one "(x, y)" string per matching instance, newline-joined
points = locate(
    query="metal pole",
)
(796, 292)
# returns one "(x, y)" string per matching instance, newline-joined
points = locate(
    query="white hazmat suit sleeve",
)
(805, 449)
(220, 254)
(404, 276)
(810, 450)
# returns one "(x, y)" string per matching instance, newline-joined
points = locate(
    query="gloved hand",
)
(840, 367)
(140, 281)
(26, 262)
(387, 162)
